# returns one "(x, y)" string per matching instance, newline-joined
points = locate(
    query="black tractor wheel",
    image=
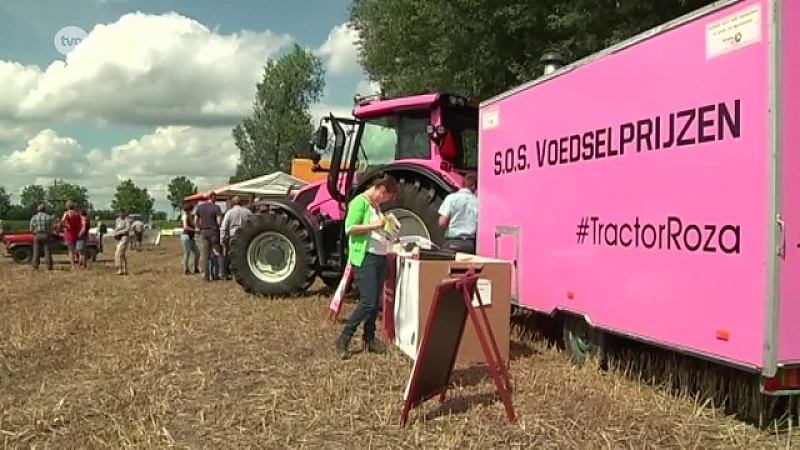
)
(272, 254)
(417, 208)
(22, 254)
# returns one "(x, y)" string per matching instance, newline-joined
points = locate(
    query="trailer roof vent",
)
(552, 61)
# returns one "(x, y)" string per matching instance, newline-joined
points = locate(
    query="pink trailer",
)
(646, 191)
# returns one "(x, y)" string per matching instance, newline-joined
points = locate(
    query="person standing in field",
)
(368, 247)
(102, 229)
(458, 215)
(137, 232)
(122, 234)
(188, 242)
(72, 223)
(42, 226)
(82, 245)
(207, 218)
(232, 221)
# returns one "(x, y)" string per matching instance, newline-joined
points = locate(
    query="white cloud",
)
(367, 87)
(340, 50)
(144, 70)
(12, 133)
(205, 155)
(187, 82)
(323, 110)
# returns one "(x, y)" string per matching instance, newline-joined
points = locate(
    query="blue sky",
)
(27, 29)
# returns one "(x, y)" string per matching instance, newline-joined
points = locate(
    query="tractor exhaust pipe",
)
(552, 61)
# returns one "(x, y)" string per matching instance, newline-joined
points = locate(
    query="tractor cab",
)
(431, 134)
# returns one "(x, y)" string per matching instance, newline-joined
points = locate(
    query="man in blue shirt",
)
(458, 215)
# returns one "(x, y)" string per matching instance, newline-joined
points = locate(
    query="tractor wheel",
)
(417, 208)
(272, 254)
(22, 254)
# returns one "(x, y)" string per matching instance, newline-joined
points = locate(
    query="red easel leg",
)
(503, 365)
(494, 361)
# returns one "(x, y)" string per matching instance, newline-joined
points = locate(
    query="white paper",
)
(733, 32)
(484, 288)
(490, 118)
(406, 307)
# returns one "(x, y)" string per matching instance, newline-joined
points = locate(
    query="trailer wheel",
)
(583, 342)
(272, 254)
(417, 208)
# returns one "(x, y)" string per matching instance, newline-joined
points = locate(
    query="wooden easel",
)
(441, 340)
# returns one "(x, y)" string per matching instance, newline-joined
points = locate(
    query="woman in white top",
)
(367, 249)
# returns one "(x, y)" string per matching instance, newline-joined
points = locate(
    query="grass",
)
(158, 359)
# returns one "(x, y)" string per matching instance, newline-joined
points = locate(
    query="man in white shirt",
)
(458, 215)
(232, 221)
(137, 232)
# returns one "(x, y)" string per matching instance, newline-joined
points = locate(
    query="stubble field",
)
(157, 359)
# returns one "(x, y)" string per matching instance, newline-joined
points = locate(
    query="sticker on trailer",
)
(733, 32)
(490, 119)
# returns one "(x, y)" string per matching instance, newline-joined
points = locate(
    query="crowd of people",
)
(205, 223)
(74, 226)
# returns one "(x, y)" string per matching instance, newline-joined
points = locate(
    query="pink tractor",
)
(426, 141)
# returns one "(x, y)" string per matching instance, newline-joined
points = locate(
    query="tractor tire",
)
(419, 199)
(292, 251)
(22, 254)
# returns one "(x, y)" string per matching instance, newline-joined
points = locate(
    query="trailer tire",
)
(417, 203)
(291, 245)
(583, 342)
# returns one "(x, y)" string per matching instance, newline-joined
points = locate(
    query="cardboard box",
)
(416, 284)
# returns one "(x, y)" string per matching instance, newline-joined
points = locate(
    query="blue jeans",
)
(212, 267)
(189, 247)
(370, 278)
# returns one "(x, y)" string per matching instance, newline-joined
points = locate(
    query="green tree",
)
(5, 202)
(132, 198)
(178, 189)
(31, 197)
(267, 140)
(16, 212)
(480, 48)
(105, 214)
(159, 215)
(60, 191)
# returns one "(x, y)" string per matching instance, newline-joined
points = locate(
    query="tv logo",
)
(68, 38)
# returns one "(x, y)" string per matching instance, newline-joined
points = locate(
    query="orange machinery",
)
(303, 169)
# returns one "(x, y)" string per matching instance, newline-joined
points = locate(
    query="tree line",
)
(55, 195)
(127, 196)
